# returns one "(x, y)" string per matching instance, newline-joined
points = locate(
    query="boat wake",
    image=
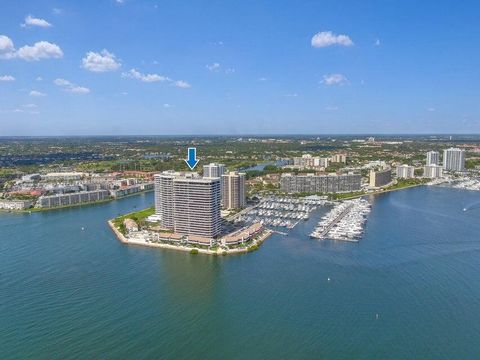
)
(472, 206)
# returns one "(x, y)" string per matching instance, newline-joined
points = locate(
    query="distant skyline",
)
(121, 67)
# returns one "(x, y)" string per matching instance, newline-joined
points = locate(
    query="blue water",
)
(68, 294)
(262, 166)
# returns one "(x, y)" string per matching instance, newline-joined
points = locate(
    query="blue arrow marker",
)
(192, 158)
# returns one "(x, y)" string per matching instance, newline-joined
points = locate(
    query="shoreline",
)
(92, 203)
(124, 240)
(380, 192)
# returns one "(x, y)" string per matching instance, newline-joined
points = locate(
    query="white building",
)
(213, 170)
(31, 177)
(63, 176)
(7, 204)
(309, 161)
(164, 197)
(405, 172)
(233, 190)
(454, 159)
(188, 203)
(339, 158)
(433, 171)
(72, 199)
(433, 158)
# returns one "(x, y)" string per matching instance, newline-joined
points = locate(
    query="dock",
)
(344, 222)
(335, 221)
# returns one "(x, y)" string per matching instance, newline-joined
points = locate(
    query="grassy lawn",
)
(138, 216)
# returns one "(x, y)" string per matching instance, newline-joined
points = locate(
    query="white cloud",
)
(291, 95)
(78, 90)
(135, 74)
(262, 79)
(39, 50)
(7, 78)
(334, 79)
(29, 106)
(166, 106)
(100, 62)
(331, 108)
(61, 82)
(182, 84)
(71, 87)
(21, 111)
(31, 21)
(431, 109)
(328, 38)
(39, 78)
(37, 93)
(213, 67)
(376, 42)
(7, 50)
(216, 67)
(57, 11)
(120, 1)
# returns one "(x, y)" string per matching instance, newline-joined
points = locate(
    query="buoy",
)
(328, 279)
(83, 228)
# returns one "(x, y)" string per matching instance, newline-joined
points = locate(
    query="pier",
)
(344, 222)
(329, 227)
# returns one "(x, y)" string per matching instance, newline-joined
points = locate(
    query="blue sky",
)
(238, 67)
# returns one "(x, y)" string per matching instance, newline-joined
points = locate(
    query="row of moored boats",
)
(344, 222)
(279, 211)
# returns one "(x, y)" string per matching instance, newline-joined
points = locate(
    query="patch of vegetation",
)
(138, 216)
(252, 248)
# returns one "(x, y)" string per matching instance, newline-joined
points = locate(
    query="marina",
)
(344, 222)
(284, 212)
(465, 183)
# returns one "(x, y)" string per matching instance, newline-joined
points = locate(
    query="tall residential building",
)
(405, 172)
(454, 159)
(433, 158)
(213, 170)
(311, 183)
(188, 203)
(433, 171)
(233, 190)
(339, 158)
(309, 161)
(380, 178)
(164, 197)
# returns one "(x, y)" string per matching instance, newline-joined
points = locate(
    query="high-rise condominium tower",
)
(433, 158)
(454, 159)
(188, 203)
(233, 190)
(213, 170)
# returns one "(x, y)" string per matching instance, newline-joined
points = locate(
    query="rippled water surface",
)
(409, 289)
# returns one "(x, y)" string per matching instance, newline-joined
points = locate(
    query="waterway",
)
(262, 166)
(409, 289)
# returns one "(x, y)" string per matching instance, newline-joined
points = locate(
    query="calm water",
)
(262, 166)
(67, 293)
